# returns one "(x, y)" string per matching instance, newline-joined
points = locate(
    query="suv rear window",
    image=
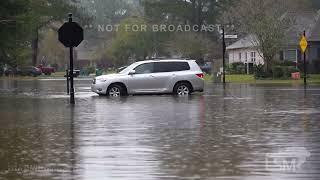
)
(171, 66)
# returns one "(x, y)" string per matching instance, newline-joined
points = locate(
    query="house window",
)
(318, 52)
(253, 56)
(290, 55)
(240, 57)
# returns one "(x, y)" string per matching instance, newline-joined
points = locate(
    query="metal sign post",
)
(303, 46)
(71, 35)
(71, 77)
(223, 56)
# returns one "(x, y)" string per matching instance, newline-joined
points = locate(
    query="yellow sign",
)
(303, 44)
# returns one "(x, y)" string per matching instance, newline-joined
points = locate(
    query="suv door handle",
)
(151, 75)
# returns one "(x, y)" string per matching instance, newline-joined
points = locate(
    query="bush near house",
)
(236, 68)
(284, 63)
(260, 73)
(86, 71)
(283, 72)
(280, 70)
(91, 69)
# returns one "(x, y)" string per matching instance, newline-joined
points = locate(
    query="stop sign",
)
(70, 34)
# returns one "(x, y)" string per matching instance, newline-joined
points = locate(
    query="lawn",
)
(312, 79)
(243, 78)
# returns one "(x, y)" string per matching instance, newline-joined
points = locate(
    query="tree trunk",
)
(35, 46)
(268, 65)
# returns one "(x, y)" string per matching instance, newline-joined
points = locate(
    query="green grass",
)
(240, 78)
(208, 77)
(249, 79)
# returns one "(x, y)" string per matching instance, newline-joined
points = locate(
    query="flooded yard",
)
(243, 132)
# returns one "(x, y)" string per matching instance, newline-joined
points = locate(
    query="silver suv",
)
(181, 77)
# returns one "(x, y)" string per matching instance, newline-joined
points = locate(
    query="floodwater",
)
(243, 132)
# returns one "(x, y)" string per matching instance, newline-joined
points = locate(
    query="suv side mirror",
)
(132, 72)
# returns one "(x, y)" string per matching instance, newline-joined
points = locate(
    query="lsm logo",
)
(289, 160)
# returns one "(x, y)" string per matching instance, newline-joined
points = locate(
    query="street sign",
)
(303, 44)
(70, 34)
(231, 36)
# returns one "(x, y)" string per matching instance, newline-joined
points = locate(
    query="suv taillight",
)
(201, 75)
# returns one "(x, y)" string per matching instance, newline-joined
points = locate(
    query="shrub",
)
(283, 72)
(91, 69)
(278, 72)
(260, 73)
(284, 63)
(236, 68)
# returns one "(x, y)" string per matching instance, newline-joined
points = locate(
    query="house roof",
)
(315, 32)
(246, 42)
(302, 21)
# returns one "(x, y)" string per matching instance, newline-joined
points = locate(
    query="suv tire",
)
(115, 91)
(182, 89)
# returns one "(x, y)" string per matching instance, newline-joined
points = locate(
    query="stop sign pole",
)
(71, 35)
(72, 101)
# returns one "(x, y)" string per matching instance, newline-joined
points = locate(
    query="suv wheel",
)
(115, 91)
(182, 89)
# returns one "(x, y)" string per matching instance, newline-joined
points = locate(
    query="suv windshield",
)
(127, 69)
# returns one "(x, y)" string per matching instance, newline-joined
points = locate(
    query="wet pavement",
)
(243, 132)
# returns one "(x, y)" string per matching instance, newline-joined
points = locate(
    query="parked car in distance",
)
(23, 71)
(29, 71)
(10, 71)
(181, 77)
(46, 70)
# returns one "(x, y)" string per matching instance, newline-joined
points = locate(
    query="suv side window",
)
(144, 68)
(171, 66)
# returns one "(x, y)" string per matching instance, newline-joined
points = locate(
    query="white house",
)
(245, 51)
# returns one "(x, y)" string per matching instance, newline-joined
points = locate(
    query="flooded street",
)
(245, 132)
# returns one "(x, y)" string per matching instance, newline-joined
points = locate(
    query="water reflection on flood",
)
(225, 134)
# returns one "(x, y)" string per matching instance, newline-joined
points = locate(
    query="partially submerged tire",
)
(182, 89)
(115, 91)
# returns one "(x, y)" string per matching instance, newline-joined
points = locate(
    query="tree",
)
(187, 12)
(191, 45)
(42, 14)
(267, 22)
(52, 51)
(12, 36)
(192, 12)
(130, 43)
(264, 21)
(21, 21)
